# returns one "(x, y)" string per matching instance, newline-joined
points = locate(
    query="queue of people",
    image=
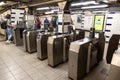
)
(47, 24)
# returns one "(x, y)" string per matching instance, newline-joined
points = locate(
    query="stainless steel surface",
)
(65, 55)
(31, 41)
(25, 40)
(55, 50)
(78, 54)
(18, 37)
(42, 39)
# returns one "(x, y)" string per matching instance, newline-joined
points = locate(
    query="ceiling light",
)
(55, 10)
(98, 6)
(54, 7)
(105, 1)
(52, 11)
(2, 3)
(49, 12)
(100, 11)
(84, 3)
(43, 8)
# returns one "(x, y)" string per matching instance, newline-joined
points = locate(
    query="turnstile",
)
(55, 50)
(78, 60)
(18, 37)
(59, 45)
(82, 57)
(31, 41)
(67, 39)
(25, 40)
(80, 34)
(42, 39)
(66, 44)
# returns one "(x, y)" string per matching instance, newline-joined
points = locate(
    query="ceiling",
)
(25, 3)
(36, 3)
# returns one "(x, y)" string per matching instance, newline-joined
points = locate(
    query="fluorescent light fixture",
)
(43, 8)
(100, 11)
(105, 1)
(55, 10)
(52, 11)
(54, 7)
(2, 3)
(97, 6)
(49, 12)
(84, 3)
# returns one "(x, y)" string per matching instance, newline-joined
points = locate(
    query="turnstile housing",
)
(31, 41)
(18, 37)
(55, 50)
(42, 39)
(78, 54)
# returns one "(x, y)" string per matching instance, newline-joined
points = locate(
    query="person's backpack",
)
(4, 25)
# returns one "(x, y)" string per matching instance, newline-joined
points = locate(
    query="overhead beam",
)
(46, 2)
(22, 1)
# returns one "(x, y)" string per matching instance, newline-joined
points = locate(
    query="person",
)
(56, 24)
(70, 29)
(52, 24)
(92, 32)
(46, 24)
(38, 23)
(9, 29)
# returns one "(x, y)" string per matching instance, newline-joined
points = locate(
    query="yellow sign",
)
(99, 22)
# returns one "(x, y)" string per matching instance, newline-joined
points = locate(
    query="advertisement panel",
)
(99, 22)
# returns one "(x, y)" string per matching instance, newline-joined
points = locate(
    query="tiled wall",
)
(112, 25)
(64, 19)
(17, 15)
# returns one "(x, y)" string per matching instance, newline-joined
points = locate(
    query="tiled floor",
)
(15, 64)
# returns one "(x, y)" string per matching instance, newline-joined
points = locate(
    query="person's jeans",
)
(9, 33)
(46, 27)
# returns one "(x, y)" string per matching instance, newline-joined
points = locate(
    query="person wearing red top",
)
(38, 23)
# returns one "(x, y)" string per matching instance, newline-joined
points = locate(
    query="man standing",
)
(46, 24)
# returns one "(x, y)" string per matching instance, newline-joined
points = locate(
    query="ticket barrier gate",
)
(18, 36)
(58, 46)
(29, 39)
(84, 54)
(55, 50)
(67, 39)
(25, 40)
(82, 57)
(80, 34)
(42, 39)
